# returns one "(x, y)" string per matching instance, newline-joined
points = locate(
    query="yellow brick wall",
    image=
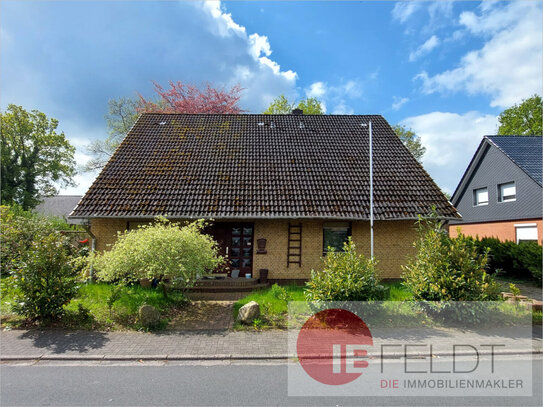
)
(105, 231)
(393, 243)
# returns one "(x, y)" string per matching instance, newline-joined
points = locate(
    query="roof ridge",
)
(261, 114)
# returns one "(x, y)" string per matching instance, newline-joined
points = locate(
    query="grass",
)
(124, 310)
(397, 292)
(398, 310)
(274, 303)
(7, 299)
(90, 309)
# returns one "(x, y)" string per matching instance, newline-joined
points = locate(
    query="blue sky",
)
(445, 69)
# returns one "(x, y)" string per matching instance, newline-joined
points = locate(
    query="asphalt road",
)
(223, 384)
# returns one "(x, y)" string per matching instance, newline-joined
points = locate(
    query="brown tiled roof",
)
(261, 166)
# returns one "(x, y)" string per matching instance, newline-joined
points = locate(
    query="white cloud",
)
(316, 90)
(225, 26)
(259, 45)
(404, 9)
(425, 48)
(508, 67)
(352, 89)
(439, 15)
(398, 102)
(342, 108)
(263, 80)
(336, 95)
(450, 140)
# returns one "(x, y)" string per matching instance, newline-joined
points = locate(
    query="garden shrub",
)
(346, 276)
(162, 249)
(279, 292)
(528, 259)
(447, 269)
(19, 229)
(522, 260)
(45, 279)
(500, 254)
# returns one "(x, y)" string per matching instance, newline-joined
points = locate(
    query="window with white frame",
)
(526, 232)
(507, 192)
(480, 196)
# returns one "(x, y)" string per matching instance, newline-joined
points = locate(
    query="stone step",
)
(228, 288)
(233, 296)
(228, 282)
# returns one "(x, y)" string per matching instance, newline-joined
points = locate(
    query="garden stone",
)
(148, 315)
(249, 312)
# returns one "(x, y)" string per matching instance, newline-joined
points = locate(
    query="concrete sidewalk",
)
(221, 345)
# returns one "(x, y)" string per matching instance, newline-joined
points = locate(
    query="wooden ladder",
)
(294, 252)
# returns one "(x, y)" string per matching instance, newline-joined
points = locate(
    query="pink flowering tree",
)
(187, 98)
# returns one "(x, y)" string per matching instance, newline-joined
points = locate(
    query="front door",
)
(240, 252)
(236, 245)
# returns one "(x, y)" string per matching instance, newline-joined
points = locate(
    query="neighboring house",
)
(59, 205)
(280, 188)
(500, 194)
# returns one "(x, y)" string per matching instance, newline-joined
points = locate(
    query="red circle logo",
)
(331, 346)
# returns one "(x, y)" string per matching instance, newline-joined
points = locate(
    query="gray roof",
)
(524, 151)
(58, 205)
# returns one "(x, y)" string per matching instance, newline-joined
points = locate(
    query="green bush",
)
(528, 259)
(447, 269)
(162, 249)
(517, 260)
(45, 279)
(280, 293)
(19, 229)
(346, 276)
(500, 254)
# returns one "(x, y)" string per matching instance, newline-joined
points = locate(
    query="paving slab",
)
(226, 345)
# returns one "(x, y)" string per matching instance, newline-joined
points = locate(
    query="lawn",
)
(94, 308)
(398, 310)
(274, 303)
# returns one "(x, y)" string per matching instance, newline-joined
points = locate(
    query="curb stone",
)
(247, 357)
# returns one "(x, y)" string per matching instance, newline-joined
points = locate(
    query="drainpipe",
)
(93, 248)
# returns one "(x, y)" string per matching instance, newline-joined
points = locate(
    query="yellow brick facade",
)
(105, 231)
(393, 244)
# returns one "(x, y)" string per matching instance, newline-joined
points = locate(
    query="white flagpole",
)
(371, 192)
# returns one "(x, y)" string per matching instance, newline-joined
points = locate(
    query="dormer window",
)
(480, 196)
(507, 192)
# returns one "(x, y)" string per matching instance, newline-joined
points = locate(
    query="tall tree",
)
(410, 140)
(121, 116)
(35, 158)
(524, 119)
(187, 98)
(281, 105)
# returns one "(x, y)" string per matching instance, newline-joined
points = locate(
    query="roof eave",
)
(272, 217)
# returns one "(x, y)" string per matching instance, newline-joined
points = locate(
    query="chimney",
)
(298, 112)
